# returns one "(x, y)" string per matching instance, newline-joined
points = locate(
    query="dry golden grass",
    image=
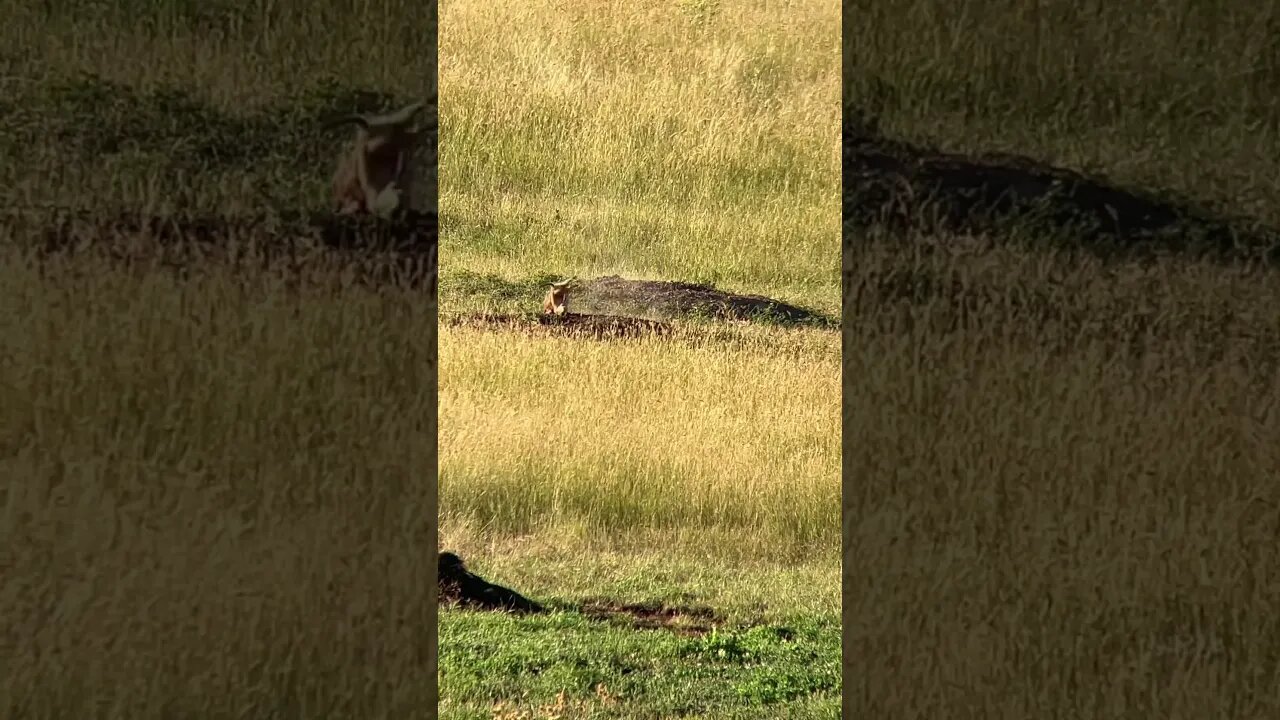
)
(217, 492)
(666, 141)
(678, 141)
(723, 448)
(1060, 474)
(686, 141)
(683, 141)
(1066, 511)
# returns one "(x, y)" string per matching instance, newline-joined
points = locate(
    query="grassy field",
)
(217, 490)
(1060, 472)
(668, 141)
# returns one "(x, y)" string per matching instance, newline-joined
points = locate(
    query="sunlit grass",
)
(729, 438)
(1059, 472)
(652, 139)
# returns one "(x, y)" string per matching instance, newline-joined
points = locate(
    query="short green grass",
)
(768, 659)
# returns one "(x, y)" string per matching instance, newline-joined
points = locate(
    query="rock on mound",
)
(668, 299)
(460, 587)
(897, 184)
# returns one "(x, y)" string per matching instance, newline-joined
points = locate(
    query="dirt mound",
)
(292, 239)
(598, 327)
(670, 299)
(460, 587)
(900, 185)
(654, 616)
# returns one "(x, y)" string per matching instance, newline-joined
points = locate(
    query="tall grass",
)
(216, 486)
(673, 141)
(1059, 475)
(690, 141)
(728, 449)
(1175, 94)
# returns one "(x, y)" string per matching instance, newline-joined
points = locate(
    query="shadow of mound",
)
(901, 186)
(401, 250)
(597, 327)
(691, 621)
(670, 299)
(459, 587)
(415, 232)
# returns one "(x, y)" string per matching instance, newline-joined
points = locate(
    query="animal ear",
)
(404, 115)
(358, 120)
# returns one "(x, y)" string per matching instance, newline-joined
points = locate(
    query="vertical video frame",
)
(639, 353)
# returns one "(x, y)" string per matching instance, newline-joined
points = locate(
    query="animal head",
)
(375, 173)
(557, 300)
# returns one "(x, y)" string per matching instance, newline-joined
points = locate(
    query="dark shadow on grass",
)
(904, 187)
(460, 587)
(375, 251)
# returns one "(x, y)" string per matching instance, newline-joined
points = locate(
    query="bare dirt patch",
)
(683, 620)
(901, 185)
(460, 587)
(597, 327)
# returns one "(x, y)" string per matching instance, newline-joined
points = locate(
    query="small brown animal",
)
(376, 173)
(557, 300)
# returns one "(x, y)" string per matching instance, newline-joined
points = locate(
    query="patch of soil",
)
(669, 299)
(900, 185)
(404, 249)
(691, 621)
(460, 587)
(598, 327)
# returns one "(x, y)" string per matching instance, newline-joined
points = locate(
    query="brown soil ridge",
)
(691, 621)
(598, 327)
